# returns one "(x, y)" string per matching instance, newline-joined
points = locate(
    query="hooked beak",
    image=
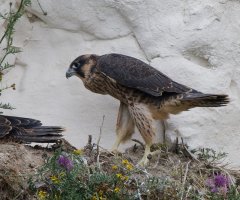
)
(70, 72)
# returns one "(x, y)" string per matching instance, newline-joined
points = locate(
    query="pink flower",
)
(218, 184)
(65, 162)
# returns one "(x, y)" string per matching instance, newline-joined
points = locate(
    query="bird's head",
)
(82, 66)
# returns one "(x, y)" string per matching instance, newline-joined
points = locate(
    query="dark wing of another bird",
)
(133, 73)
(28, 130)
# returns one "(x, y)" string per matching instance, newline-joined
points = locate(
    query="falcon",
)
(146, 95)
(27, 130)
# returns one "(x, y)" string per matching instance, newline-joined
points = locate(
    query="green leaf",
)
(13, 50)
(6, 106)
(5, 66)
(27, 2)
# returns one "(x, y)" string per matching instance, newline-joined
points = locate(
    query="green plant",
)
(99, 176)
(209, 154)
(6, 42)
(232, 194)
(67, 176)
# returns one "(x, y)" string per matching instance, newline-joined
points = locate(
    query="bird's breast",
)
(95, 84)
(101, 84)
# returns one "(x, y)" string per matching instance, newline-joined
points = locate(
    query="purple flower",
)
(65, 162)
(218, 184)
(221, 180)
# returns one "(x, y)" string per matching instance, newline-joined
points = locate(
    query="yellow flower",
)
(125, 162)
(78, 152)
(100, 193)
(125, 178)
(119, 176)
(55, 179)
(114, 167)
(117, 189)
(129, 167)
(98, 197)
(42, 194)
(94, 198)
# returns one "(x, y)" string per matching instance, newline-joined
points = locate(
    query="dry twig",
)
(184, 179)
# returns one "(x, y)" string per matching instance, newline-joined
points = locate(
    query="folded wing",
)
(133, 73)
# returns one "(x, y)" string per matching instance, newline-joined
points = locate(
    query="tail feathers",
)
(28, 130)
(41, 139)
(4, 130)
(22, 122)
(205, 100)
(38, 134)
(183, 102)
(42, 130)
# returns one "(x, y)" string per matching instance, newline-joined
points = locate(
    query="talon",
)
(115, 151)
(149, 156)
(143, 162)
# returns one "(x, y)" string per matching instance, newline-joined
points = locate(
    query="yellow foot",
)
(143, 162)
(115, 151)
(147, 157)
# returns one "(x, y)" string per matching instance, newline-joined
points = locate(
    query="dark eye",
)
(76, 65)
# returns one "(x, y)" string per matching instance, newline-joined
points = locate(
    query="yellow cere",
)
(42, 194)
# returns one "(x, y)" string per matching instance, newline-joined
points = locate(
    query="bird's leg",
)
(146, 156)
(144, 161)
(116, 144)
(149, 128)
(124, 127)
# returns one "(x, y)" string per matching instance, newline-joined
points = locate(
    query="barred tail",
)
(42, 134)
(205, 100)
(28, 130)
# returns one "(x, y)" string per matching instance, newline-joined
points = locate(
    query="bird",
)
(27, 130)
(146, 95)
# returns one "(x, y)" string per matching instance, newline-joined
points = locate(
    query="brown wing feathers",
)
(133, 73)
(28, 130)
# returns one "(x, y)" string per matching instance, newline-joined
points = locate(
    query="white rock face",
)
(195, 42)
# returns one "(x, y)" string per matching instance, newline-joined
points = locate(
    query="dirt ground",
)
(18, 162)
